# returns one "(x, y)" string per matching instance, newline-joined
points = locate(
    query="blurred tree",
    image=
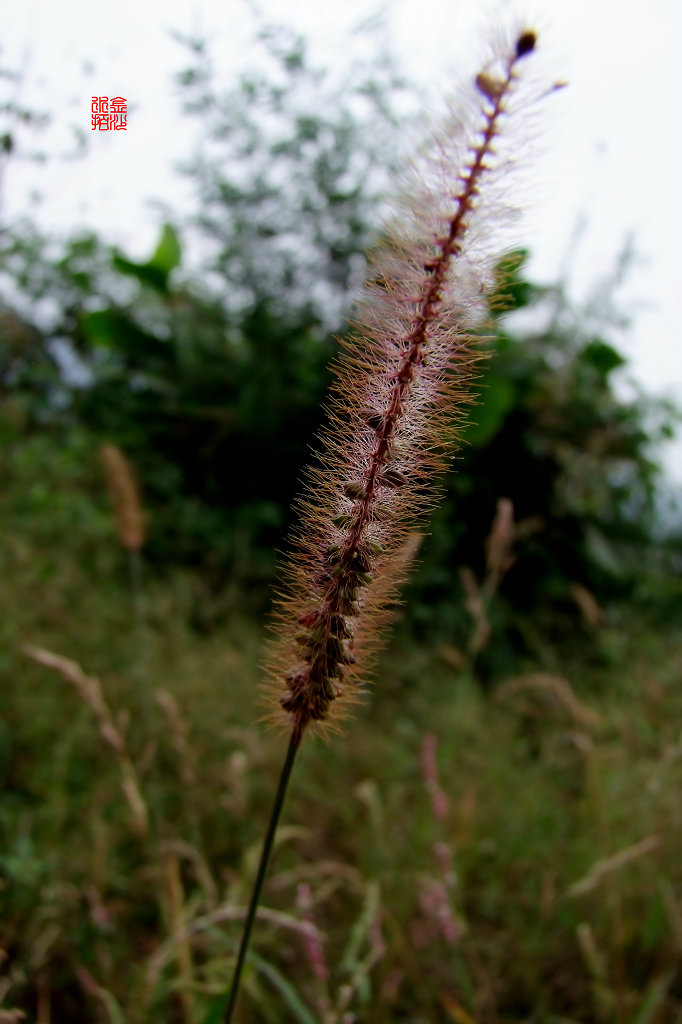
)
(290, 170)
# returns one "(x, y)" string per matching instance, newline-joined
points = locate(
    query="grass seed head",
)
(125, 497)
(399, 396)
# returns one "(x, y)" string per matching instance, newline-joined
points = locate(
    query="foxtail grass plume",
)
(400, 393)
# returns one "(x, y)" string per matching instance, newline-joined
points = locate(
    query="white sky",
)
(612, 153)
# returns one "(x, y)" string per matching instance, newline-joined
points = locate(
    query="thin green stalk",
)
(294, 743)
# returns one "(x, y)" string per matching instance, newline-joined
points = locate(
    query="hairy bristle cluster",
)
(399, 394)
(124, 496)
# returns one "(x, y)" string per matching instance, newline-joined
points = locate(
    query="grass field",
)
(455, 856)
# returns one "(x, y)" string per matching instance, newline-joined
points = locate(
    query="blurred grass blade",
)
(654, 999)
(292, 1000)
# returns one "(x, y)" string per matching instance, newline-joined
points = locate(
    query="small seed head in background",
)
(125, 497)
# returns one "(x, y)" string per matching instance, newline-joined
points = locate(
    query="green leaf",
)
(156, 271)
(168, 254)
(602, 357)
(146, 273)
(496, 400)
(104, 328)
(109, 328)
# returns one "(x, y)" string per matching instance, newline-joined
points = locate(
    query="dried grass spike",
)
(125, 497)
